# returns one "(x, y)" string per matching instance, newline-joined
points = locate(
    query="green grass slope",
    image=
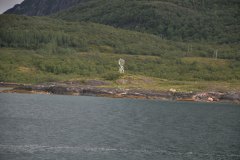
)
(187, 20)
(48, 35)
(184, 74)
(40, 49)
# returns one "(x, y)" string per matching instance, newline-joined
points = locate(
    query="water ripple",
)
(74, 150)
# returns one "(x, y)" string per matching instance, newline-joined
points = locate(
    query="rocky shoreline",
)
(93, 88)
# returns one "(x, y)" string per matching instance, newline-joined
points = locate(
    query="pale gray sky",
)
(7, 4)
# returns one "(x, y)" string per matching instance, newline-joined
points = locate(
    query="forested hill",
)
(43, 49)
(50, 35)
(186, 20)
(41, 7)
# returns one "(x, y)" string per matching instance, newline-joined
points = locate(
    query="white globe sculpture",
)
(121, 63)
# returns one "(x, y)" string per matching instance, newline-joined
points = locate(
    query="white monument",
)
(121, 63)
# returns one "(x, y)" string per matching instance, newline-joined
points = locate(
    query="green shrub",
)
(112, 76)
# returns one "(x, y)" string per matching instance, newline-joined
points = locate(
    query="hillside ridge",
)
(42, 49)
(185, 20)
(41, 7)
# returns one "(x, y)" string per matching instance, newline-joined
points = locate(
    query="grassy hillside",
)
(148, 72)
(48, 35)
(187, 20)
(35, 49)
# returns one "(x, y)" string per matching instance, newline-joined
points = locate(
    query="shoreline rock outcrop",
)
(98, 90)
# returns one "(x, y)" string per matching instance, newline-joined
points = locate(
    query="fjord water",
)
(35, 127)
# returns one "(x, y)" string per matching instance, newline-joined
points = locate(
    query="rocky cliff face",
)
(42, 7)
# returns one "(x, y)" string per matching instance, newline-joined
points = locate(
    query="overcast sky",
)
(7, 4)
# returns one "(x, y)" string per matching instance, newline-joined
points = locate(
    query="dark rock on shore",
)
(94, 88)
(5, 84)
(87, 90)
(218, 96)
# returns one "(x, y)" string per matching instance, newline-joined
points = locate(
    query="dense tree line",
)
(185, 20)
(49, 36)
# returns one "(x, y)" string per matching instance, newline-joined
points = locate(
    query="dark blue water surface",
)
(37, 127)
